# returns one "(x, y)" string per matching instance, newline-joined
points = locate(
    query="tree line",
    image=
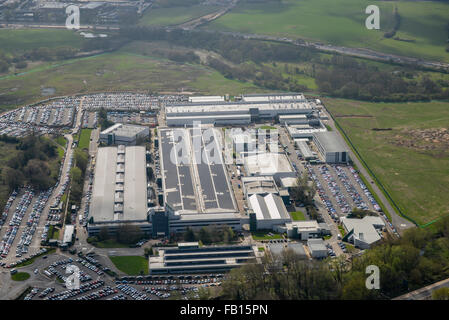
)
(31, 163)
(419, 258)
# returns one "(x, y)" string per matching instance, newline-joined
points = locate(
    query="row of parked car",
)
(85, 287)
(15, 222)
(8, 205)
(102, 293)
(132, 292)
(22, 260)
(32, 223)
(350, 188)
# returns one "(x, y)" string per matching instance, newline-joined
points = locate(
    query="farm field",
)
(175, 15)
(412, 159)
(343, 23)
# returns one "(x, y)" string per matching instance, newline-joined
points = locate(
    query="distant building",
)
(190, 258)
(331, 147)
(317, 248)
(363, 232)
(276, 165)
(303, 230)
(125, 134)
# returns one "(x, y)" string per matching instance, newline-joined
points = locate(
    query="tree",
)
(128, 233)
(189, 235)
(13, 178)
(103, 234)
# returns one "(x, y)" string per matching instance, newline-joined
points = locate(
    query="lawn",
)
(297, 216)
(84, 140)
(263, 235)
(20, 276)
(343, 23)
(109, 244)
(131, 265)
(413, 168)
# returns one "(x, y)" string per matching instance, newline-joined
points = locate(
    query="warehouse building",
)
(119, 189)
(317, 248)
(276, 165)
(124, 134)
(197, 193)
(363, 232)
(191, 258)
(304, 131)
(331, 147)
(268, 211)
(249, 109)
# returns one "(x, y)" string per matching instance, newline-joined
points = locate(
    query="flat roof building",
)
(186, 260)
(331, 147)
(124, 134)
(317, 248)
(120, 187)
(259, 185)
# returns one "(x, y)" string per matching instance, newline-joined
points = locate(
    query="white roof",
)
(268, 207)
(364, 229)
(267, 163)
(68, 232)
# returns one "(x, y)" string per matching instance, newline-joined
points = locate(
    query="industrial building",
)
(196, 188)
(304, 131)
(277, 249)
(276, 165)
(304, 149)
(317, 248)
(268, 211)
(259, 185)
(303, 230)
(119, 189)
(363, 232)
(331, 147)
(251, 108)
(191, 258)
(124, 134)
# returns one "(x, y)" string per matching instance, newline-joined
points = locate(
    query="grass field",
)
(174, 15)
(84, 139)
(109, 244)
(297, 216)
(131, 265)
(28, 39)
(20, 276)
(343, 23)
(263, 235)
(413, 168)
(122, 70)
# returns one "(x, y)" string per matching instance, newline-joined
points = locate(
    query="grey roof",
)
(268, 207)
(316, 245)
(276, 248)
(331, 141)
(119, 196)
(297, 248)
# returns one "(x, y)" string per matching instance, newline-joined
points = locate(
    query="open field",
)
(175, 15)
(343, 23)
(28, 39)
(131, 265)
(122, 70)
(412, 159)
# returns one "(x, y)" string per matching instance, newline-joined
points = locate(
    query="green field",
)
(20, 276)
(413, 167)
(131, 265)
(343, 23)
(109, 244)
(84, 139)
(297, 216)
(263, 235)
(174, 15)
(28, 39)
(124, 70)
